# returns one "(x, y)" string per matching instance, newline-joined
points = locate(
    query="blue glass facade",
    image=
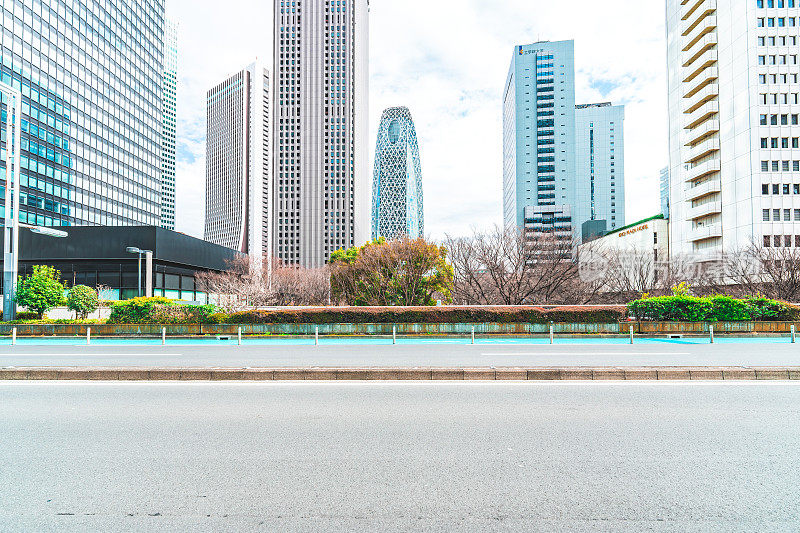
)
(539, 137)
(91, 76)
(397, 206)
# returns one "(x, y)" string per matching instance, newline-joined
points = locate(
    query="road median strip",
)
(398, 374)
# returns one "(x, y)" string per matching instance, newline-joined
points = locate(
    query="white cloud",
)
(447, 61)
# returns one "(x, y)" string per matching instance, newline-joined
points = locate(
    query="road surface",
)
(404, 355)
(82, 456)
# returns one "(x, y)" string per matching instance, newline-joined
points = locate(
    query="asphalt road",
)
(399, 457)
(404, 355)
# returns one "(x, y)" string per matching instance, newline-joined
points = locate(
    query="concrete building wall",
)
(733, 108)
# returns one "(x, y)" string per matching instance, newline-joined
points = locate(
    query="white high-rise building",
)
(321, 166)
(238, 178)
(599, 168)
(733, 108)
(169, 125)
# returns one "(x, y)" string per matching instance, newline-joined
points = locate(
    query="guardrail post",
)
(88, 336)
(552, 333)
(239, 336)
(473, 334)
(394, 334)
(711, 334)
(14, 337)
(316, 336)
(630, 329)
(163, 336)
(793, 334)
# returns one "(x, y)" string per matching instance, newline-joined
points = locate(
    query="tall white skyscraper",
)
(539, 139)
(599, 168)
(91, 77)
(321, 164)
(238, 178)
(733, 107)
(169, 125)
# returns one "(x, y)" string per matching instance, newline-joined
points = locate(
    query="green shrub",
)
(727, 309)
(218, 318)
(771, 310)
(158, 311)
(684, 308)
(135, 310)
(83, 300)
(41, 291)
(433, 315)
(27, 315)
(672, 308)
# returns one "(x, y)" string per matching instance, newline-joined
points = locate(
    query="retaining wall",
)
(188, 330)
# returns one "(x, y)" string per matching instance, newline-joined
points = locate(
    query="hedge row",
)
(683, 308)
(159, 311)
(429, 315)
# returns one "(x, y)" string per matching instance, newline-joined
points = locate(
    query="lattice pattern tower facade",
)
(397, 207)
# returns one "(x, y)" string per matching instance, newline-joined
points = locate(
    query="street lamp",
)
(11, 224)
(11, 268)
(149, 257)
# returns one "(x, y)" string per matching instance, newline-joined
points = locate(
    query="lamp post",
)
(149, 256)
(12, 269)
(13, 99)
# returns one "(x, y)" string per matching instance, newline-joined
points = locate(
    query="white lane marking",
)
(94, 354)
(587, 353)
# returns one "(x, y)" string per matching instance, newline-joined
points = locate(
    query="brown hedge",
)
(433, 315)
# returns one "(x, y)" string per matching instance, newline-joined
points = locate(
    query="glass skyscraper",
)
(599, 168)
(238, 176)
(91, 75)
(169, 126)
(539, 139)
(397, 181)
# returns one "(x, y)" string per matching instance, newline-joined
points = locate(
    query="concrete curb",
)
(415, 374)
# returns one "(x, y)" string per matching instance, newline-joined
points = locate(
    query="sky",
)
(447, 61)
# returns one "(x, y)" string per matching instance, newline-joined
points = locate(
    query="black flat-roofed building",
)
(97, 256)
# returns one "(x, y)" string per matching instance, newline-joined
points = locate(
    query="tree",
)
(770, 271)
(512, 267)
(403, 272)
(83, 300)
(41, 291)
(251, 283)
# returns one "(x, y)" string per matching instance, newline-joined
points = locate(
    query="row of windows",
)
(772, 120)
(780, 142)
(780, 98)
(774, 215)
(780, 166)
(775, 79)
(776, 188)
(783, 40)
(774, 3)
(782, 22)
(781, 241)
